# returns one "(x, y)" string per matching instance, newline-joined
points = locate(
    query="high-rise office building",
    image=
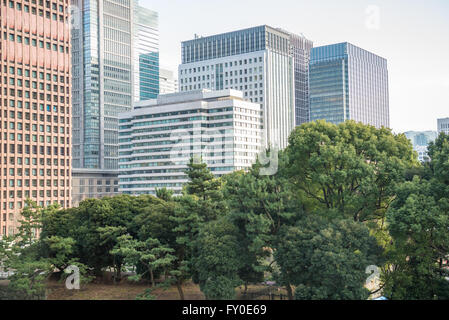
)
(159, 137)
(443, 125)
(301, 49)
(35, 107)
(146, 53)
(167, 82)
(115, 39)
(257, 61)
(348, 83)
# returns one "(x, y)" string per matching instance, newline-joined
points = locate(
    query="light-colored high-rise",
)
(443, 125)
(257, 61)
(301, 49)
(158, 138)
(115, 61)
(146, 53)
(35, 107)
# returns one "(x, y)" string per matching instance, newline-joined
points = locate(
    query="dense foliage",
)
(344, 197)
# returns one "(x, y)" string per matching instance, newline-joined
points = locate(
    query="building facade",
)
(443, 125)
(112, 40)
(257, 61)
(167, 82)
(301, 49)
(35, 107)
(159, 137)
(91, 183)
(420, 141)
(146, 53)
(348, 83)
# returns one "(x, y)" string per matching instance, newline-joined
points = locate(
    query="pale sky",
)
(413, 35)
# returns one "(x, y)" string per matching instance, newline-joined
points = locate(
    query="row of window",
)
(226, 64)
(33, 84)
(48, 76)
(33, 161)
(26, 137)
(42, 172)
(33, 116)
(34, 42)
(34, 127)
(42, 183)
(48, 108)
(26, 8)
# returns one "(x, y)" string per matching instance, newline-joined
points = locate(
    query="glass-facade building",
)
(106, 43)
(146, 53)
(348, 83)
(301, 49)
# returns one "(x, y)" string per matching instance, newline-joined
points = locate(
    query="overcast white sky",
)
(412, 34)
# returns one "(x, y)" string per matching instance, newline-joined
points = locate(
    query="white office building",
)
(167, 81)
(257, 61)
(443, 125)
(158, 138)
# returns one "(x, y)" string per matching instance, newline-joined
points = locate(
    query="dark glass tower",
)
(348, 83)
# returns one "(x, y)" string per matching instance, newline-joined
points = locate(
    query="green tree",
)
(325, 260)
(218, 261)
(164, 194)
(418, 224)
(206, 189)
(151, 253)
(350, 167)
(19, 254)
(259, 206)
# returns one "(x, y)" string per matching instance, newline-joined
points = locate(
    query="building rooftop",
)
(183, 97)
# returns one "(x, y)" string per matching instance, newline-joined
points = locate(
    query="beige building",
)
(35, 106)
(91, 183)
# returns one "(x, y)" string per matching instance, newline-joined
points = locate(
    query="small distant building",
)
(91, 183)
(420, 141)
(443, 125)
(167, 82)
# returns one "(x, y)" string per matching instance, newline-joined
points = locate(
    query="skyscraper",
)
(35, 107)
(146, 53)
(301, 50)
(348, 83)
(257, 61)
(115, 39)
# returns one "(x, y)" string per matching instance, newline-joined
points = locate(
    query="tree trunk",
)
(289, 291)
(152, 278)
(246, 289)
(118, 274)
(179, 286)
